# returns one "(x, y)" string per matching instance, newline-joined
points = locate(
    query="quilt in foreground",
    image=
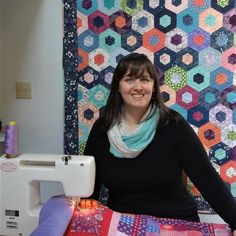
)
(59, 217)
(103, 221)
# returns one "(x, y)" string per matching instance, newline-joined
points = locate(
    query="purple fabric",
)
(54, 217)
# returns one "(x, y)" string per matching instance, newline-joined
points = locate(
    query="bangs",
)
(135, 65)
(138, 68)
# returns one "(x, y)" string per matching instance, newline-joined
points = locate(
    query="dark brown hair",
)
(136, 64)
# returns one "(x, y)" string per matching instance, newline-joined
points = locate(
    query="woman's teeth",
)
(137, 95)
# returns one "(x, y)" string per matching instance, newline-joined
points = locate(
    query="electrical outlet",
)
(23, 90)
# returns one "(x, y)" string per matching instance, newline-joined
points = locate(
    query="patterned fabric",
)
(103, 221)
(192, 42)
(70, 63)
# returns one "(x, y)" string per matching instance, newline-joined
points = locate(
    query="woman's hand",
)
(234, 232)
(88, 203)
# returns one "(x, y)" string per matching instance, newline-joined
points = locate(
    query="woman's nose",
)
(137, 84)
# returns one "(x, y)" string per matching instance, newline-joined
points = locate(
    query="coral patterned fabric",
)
(102, 221)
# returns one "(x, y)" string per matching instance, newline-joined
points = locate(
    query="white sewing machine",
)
(20, 179)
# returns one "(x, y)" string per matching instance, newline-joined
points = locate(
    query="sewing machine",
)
(20, 179)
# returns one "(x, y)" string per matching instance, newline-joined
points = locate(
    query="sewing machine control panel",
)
(11, 213)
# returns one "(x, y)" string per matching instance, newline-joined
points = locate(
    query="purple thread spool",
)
(11, 139)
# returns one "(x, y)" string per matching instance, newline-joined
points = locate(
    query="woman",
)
(141, 148)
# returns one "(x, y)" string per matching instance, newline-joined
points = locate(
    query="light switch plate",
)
(23, 90)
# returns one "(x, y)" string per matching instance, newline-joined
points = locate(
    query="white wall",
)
(1, 59)
(32, 45)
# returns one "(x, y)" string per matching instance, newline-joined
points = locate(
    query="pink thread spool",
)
(11, 140)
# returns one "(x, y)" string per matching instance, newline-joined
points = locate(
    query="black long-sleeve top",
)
(151, 183)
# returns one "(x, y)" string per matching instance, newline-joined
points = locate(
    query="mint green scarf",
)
(130, 146)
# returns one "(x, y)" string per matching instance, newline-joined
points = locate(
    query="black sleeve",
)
(91, 149)
(199, 169)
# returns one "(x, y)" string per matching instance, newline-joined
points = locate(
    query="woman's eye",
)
(128, 79)
(145, 79)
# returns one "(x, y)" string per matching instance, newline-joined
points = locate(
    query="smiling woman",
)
(141, 149)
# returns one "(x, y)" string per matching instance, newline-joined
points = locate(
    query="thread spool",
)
(11, 140)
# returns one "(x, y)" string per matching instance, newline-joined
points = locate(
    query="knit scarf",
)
(124, 143)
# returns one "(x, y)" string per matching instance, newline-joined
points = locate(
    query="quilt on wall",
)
(193, 42)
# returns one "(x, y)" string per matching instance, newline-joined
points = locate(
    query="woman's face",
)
(136, 91)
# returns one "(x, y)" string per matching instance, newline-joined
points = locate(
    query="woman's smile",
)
(137, 96)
